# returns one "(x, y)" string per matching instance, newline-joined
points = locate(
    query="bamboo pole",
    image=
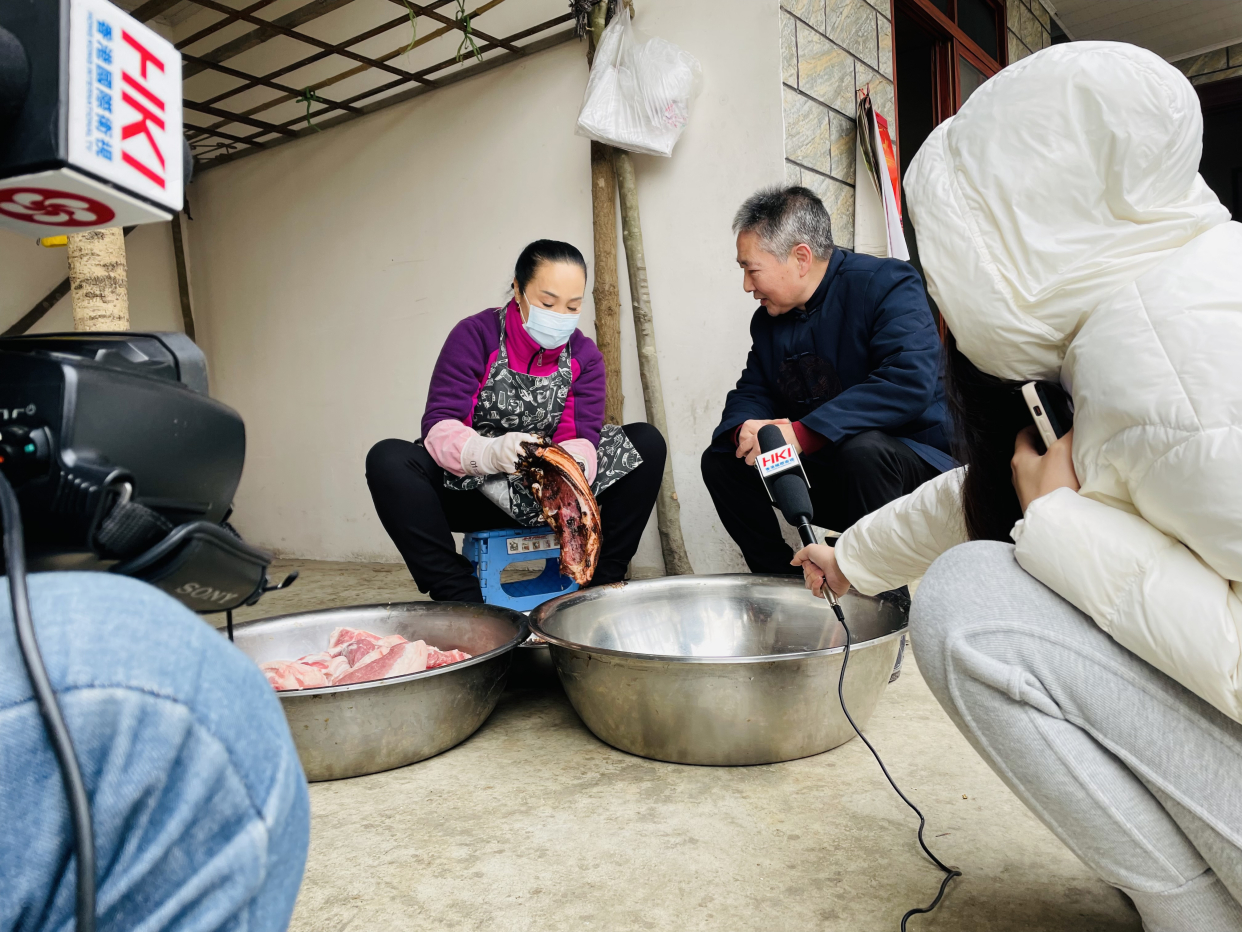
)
(668, 510)
(604, 216)
(98, 280)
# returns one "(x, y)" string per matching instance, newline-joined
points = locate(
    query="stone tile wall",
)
(1212, 66)
(1030, 28)
(829, 48)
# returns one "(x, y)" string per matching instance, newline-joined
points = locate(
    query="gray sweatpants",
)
(1141, 778)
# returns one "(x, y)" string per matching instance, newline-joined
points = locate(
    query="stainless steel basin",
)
(719, 669)
(346, 731)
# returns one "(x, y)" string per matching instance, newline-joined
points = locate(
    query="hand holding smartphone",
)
(1051, 410)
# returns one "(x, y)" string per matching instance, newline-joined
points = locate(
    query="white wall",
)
(328, 272)
(29, 271)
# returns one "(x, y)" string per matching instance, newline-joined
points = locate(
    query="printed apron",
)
(517, 401)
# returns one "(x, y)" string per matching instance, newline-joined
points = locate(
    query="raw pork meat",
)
(397, 660)
(307, 672)
(355, 656)
(442, 658)
(553, 477)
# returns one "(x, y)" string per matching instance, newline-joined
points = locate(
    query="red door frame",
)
(953, 42)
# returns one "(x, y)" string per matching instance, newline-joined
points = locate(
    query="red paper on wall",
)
(890, 158)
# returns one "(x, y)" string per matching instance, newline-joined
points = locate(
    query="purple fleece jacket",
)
(473, 346)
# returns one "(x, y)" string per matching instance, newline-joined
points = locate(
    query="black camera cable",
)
(949, 872)
(49, 708)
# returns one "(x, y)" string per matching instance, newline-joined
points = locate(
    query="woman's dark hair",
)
(988, 413)
(541, 251)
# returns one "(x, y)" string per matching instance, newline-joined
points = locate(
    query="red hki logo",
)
(776, 459)
(145, 104)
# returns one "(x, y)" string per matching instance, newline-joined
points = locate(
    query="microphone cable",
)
(949, 872)
(49, 708)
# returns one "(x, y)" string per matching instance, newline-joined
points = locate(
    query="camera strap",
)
(129, 527)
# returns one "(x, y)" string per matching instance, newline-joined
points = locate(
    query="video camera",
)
(122, 462)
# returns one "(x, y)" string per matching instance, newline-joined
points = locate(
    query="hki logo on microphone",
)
(777, 461)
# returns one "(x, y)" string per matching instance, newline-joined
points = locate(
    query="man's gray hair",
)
(784, 217)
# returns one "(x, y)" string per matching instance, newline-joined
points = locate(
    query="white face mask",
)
(548, 328)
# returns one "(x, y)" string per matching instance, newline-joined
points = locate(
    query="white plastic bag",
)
(638, 96)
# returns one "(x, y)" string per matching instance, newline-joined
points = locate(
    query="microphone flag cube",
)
(774, 462)
(777, 462)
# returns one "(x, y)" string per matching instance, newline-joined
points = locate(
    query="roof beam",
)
(539, 45)
(319, 56)
(220, 24)
(237, 118)
(152, 9)
(303, 14)
(244, 140)
(310, 60)
(292, 92)
(449, 62)
(309, 40)
(461, 25)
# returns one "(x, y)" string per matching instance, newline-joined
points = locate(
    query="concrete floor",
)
(534, 824)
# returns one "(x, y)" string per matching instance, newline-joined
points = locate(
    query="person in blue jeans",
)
(198, 801)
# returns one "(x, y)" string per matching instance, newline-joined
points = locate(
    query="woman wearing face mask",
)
(1080, 619)
(504, 376)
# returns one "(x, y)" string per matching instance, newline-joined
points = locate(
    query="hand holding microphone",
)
(819, 567)
(748, 440)
(782, 472)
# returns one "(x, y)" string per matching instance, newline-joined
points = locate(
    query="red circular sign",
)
(54, 208)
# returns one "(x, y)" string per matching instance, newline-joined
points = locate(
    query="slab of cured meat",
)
(557, 483)
(355, 656)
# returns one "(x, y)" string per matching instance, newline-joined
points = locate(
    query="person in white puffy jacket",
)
(1096, 662)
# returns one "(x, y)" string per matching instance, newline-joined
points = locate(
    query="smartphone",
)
(1051, 409)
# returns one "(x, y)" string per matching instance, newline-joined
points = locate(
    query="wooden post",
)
(98, 280)
(39, 311)
(604, 213)
(607, 294)
(668, 510)
(183, 277)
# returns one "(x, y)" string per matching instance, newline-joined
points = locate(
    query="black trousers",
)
(848, 480)
(420, 514)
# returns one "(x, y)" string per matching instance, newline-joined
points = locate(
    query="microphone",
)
(782, 473)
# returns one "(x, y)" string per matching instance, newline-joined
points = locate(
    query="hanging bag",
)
(639, 92)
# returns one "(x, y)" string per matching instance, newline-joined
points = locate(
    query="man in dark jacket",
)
(844, 358)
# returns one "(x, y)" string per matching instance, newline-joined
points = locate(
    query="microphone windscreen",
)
(792, 497)
(770, 438)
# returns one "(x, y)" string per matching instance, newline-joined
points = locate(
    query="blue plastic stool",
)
(492, 551)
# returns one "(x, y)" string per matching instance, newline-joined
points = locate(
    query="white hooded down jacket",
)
(1065, 232)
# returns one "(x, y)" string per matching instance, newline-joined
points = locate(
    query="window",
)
(968, 78)
(978, 20)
